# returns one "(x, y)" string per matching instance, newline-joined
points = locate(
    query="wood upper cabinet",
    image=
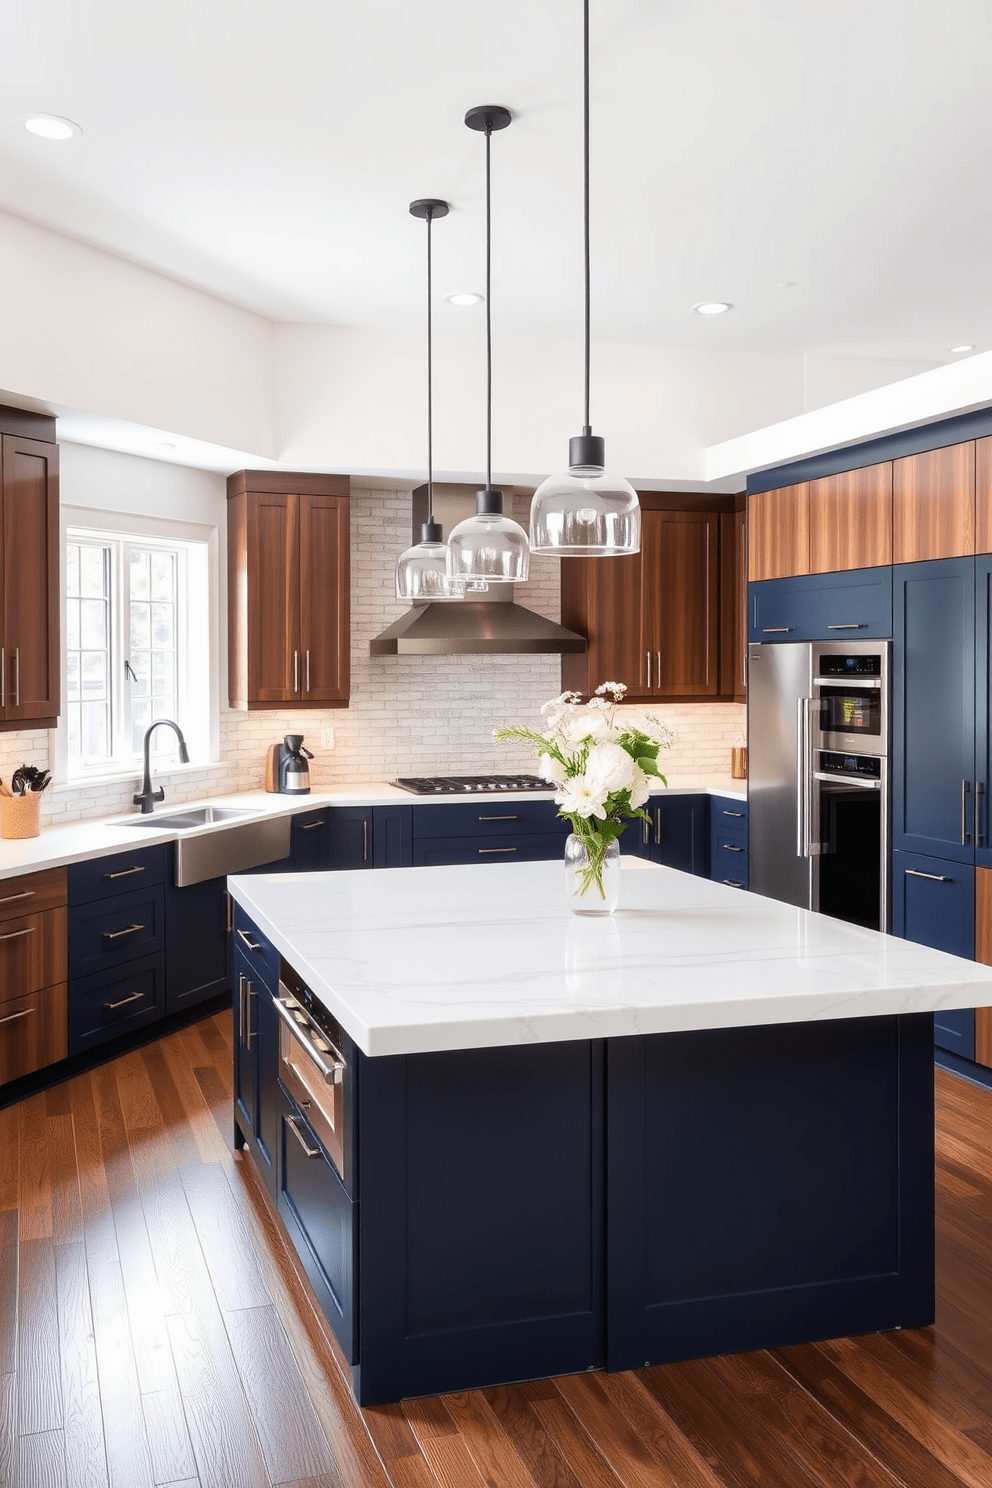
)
(778, 533)
(850, 519)
(733, 604)
(29, 581)
(983, 495)
(652, 619)
(933, 504)
(288, 590)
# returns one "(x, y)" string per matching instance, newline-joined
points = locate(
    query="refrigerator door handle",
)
(802, 779)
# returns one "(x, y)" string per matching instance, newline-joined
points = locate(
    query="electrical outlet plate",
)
(327, 738)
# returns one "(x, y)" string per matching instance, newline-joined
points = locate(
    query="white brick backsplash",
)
(409, 715)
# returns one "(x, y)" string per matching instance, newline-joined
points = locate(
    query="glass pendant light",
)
(422, 571)
(488, 546)
(585, 512)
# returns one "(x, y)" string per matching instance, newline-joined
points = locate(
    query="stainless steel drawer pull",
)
(850, 625)
(22, 1014)
(648, 656)
(733, 883)
(776, 629)
(365, 839)
(229, 926)
(499, 818)
(308, 669)
(313, 826)
(294, 1127)
(733, 813)
(116, 934)
(657, 826)
(729, 847)
(296, 671)
(249, 942)
(125, 872)
(111, 1007)
(17, 676)
(935, 877)
(15, 933)
(497, 849)
(24, 894)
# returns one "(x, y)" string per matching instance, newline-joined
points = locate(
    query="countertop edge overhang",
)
(97, 837)
(437, 959)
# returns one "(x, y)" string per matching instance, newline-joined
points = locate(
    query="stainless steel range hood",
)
(492, 624)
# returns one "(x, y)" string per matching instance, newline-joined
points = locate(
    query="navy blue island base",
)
(528, 1211)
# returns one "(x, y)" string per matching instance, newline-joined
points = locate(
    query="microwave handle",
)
(332, 1074)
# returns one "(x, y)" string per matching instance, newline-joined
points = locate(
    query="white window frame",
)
(199, 710)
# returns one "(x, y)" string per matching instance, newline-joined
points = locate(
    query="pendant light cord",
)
(585, 186)
(430, 403)
(489, 316)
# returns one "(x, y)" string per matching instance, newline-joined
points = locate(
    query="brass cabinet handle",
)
(24, 894)
(15, 933)
(936, 877)
(128, 930)
(111, 1007)
(125, 872)
(22, 1014)
(294, 1127)
(250, 943)
(497, 849)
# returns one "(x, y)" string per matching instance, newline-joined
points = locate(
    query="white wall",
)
(85, 330)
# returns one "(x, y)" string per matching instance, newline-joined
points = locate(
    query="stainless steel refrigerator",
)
(818, 785)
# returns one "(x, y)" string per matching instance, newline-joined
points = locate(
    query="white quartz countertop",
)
(97, 836)
(411, 960)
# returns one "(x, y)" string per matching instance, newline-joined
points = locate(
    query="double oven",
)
(818, 789)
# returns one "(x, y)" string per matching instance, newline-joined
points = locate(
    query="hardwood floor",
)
(154, 1329)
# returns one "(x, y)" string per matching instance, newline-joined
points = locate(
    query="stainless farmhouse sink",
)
(227, 839)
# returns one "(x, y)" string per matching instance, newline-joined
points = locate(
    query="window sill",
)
(132, 775)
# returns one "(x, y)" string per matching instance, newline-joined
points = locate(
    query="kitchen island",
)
(700, 1126)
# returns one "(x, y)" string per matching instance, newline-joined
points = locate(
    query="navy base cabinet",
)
(728, 841)
(256, 1046)
(677, 836)
(370, 837)
(767, 1186)
(196, 937)
(933, 902)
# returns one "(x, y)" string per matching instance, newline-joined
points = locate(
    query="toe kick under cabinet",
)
(32, 972)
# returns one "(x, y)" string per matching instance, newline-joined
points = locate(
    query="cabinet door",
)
(273, 598)
(933, 696)
(850, 519)
(325, 606)
(933, 902)
(311, 842)
(983, 708)
(392, 836)
(601, 599)
(30, 555)
(352, 841)
(983, 953)
(245, 1052)
(733, 605)
(822, 607)
(778, 533)
(933, 504)
(197, 941)
(33, 1033)
(679, 616)
(678, 831)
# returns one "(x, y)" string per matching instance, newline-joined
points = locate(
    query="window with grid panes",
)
(126, 647)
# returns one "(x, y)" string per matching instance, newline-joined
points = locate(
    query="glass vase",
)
(592, 880)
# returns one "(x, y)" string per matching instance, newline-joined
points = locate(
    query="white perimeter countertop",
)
(97, 836)
(411, 960)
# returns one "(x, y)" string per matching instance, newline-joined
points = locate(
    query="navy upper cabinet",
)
(933, 735)
(822, 607)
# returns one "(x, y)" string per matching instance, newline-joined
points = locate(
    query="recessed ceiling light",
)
(465, 297)
(51, 127)
(958, 350)
(713, 307)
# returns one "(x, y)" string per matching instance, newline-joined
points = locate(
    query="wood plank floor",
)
(154, 1329)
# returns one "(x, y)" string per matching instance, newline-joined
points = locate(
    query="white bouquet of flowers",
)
(603, 769)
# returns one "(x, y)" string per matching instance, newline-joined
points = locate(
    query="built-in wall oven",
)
(311, 1066)
(818, 777)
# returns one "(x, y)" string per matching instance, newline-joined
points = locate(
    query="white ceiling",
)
(268, 151)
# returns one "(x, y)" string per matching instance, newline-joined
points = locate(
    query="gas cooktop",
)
(444, 785)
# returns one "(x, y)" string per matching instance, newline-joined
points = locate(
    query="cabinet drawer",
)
(31, 892)
(525, 848)
(32, 953)
(107, 934)
(102, 1006)
(260, 957)
(121, 873)
(320, 1219)
(822, 607)
(482, 818)
(729, 814)
(33, 1032)
(729, 859)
